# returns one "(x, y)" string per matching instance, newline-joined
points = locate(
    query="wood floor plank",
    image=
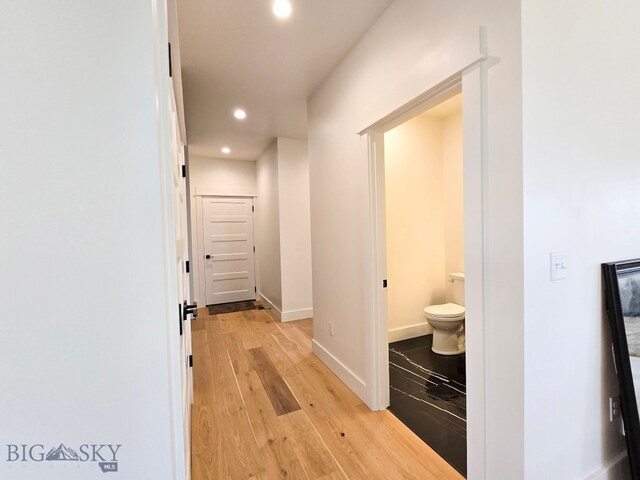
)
(207, 452)
(239, 360)
(298, 337)
(276, 353)
(243, 458)
(274, 442)
(241, 428)
(278, 391)
(208, 460)
(330, 427)
(315, 456)
(333, 476)
(250, 324)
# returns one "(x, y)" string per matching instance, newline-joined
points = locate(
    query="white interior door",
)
(228, 249)
(182, 256)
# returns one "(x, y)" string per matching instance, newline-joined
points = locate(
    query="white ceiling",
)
(236, 53)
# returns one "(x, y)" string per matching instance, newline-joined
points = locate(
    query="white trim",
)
(350, 379)
(199, 287)
(287, 315)
(271, 306)
(474, 85)
(615, 470)
(378, 364)
(378, 391)
(204, 190)
(473, 80)
(410, 331)
(432, 97)
(199, 293)
(163, 87)
(291, 315)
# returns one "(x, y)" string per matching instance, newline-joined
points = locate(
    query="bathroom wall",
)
(453, 195)
(415, 224)
(424, 215)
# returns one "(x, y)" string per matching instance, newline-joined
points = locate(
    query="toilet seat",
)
(446, 311)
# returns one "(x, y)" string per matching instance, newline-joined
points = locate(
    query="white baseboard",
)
(618, 469)
(268, 304)
(291, 315)
(410, 331)
(350, 379)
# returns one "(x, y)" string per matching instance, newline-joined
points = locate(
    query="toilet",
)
(447, 321)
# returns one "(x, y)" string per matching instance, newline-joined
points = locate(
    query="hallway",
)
(265, 407)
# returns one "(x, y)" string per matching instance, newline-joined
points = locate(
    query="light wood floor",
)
(267, 408)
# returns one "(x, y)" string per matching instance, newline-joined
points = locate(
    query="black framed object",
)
(622, 302)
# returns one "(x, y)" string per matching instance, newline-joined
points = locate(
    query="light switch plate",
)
(559, 265)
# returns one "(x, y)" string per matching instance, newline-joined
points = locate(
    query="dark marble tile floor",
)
(428, 395)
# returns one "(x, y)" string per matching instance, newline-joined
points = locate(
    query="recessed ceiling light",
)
(282, 8)
(240, 114)
(226, 150)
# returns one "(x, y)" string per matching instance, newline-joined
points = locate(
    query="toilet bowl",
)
(447, 321)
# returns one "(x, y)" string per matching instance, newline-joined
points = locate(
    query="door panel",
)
(182, 255)
(228, 244)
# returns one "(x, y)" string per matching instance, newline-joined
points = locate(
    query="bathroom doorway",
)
(471, 84)
(424, 217)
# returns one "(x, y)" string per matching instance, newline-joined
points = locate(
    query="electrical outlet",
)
(614, 408)
(331, 328)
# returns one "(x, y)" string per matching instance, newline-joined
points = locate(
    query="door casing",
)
(472, 81)
(201, 248)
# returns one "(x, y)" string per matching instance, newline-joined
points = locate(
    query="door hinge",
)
(180, 316)
(191, 360)
(255, 289)
(384, 283)
(253, 209)
(170, 66)
(186, 266)
(184, 171)
(254, 249)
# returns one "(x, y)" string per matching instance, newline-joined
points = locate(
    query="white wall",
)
(214, 176)
(415, 224)
(283, 229)
(89, 344)
(267, 229)
(295, 229)
(581, 195)
(414, 46)
(218, 176)
(453, 180)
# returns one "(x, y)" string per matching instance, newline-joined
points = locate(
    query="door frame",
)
(163, 86)
(200, 286)
(472, 81)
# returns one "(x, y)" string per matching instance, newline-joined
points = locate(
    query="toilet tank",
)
(458, 287)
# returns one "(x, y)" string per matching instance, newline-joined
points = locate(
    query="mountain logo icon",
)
(62, 453)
